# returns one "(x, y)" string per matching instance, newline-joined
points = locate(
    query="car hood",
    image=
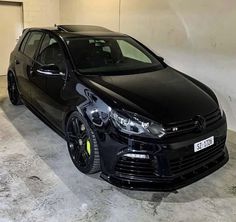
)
(165, 96)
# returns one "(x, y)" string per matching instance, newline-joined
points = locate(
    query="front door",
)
(48, 98)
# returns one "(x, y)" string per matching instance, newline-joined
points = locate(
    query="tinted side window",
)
(22, 47)
(32, 43)
(51, 53)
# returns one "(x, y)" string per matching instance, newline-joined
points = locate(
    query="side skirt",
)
(42, 118)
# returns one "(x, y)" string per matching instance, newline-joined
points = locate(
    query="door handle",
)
(17, 62)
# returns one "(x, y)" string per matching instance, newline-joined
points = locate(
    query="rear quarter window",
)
(22, 46)
(32, 43)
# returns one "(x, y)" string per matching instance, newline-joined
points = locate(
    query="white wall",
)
(93, 12)
(10, 29)
(40, 13)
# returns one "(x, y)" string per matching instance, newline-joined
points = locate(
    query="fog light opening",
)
(137, 156)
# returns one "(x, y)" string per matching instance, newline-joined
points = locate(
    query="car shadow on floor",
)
(52, 149)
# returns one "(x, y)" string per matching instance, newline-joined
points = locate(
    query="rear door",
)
(24, 62)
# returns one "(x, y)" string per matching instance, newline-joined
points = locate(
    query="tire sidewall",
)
(90, 133)
(15, 101)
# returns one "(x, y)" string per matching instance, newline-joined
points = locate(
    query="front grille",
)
(213, 117)
(189, 126)
(135, 167)
(186, 162)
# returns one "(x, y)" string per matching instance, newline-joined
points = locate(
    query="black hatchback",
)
(122, 110)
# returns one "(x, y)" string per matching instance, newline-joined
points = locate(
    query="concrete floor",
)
(38, 182)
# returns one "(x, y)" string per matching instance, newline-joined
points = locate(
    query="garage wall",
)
(10, 29)
(94, 12)
(39, 13)
(196, 37)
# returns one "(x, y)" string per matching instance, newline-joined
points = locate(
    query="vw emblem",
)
(200, 123)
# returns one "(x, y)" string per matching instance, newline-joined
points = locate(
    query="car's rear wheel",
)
(13, 90)
(82, 144)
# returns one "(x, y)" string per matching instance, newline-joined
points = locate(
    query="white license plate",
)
(203, 144)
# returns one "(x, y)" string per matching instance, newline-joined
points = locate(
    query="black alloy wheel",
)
(12, 90)
(82, 144)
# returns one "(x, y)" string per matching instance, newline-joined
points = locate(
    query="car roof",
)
(67, 31)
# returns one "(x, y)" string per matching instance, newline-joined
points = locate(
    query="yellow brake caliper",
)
(88, 147)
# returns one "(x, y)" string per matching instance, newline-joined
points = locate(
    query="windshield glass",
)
(100, 55)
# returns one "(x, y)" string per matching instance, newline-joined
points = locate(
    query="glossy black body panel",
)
(165, 96)
(162, 94)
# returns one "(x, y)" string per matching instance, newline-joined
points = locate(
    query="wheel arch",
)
(66, 117)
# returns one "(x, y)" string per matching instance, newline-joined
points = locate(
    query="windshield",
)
(101, 55)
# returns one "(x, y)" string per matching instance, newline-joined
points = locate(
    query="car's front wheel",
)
(82, 144)
(13, 92)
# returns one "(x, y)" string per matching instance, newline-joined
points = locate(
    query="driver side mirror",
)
(50, 70)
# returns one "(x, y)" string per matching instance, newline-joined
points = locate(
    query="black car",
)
(122, 110)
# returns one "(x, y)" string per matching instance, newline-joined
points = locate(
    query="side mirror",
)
(50, 70)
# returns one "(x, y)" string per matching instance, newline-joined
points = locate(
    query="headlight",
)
(132, 123)
(219, 103)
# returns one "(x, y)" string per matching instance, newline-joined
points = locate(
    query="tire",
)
(82, 144)
(13, 92)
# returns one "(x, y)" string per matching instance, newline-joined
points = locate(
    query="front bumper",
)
(172, 163)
